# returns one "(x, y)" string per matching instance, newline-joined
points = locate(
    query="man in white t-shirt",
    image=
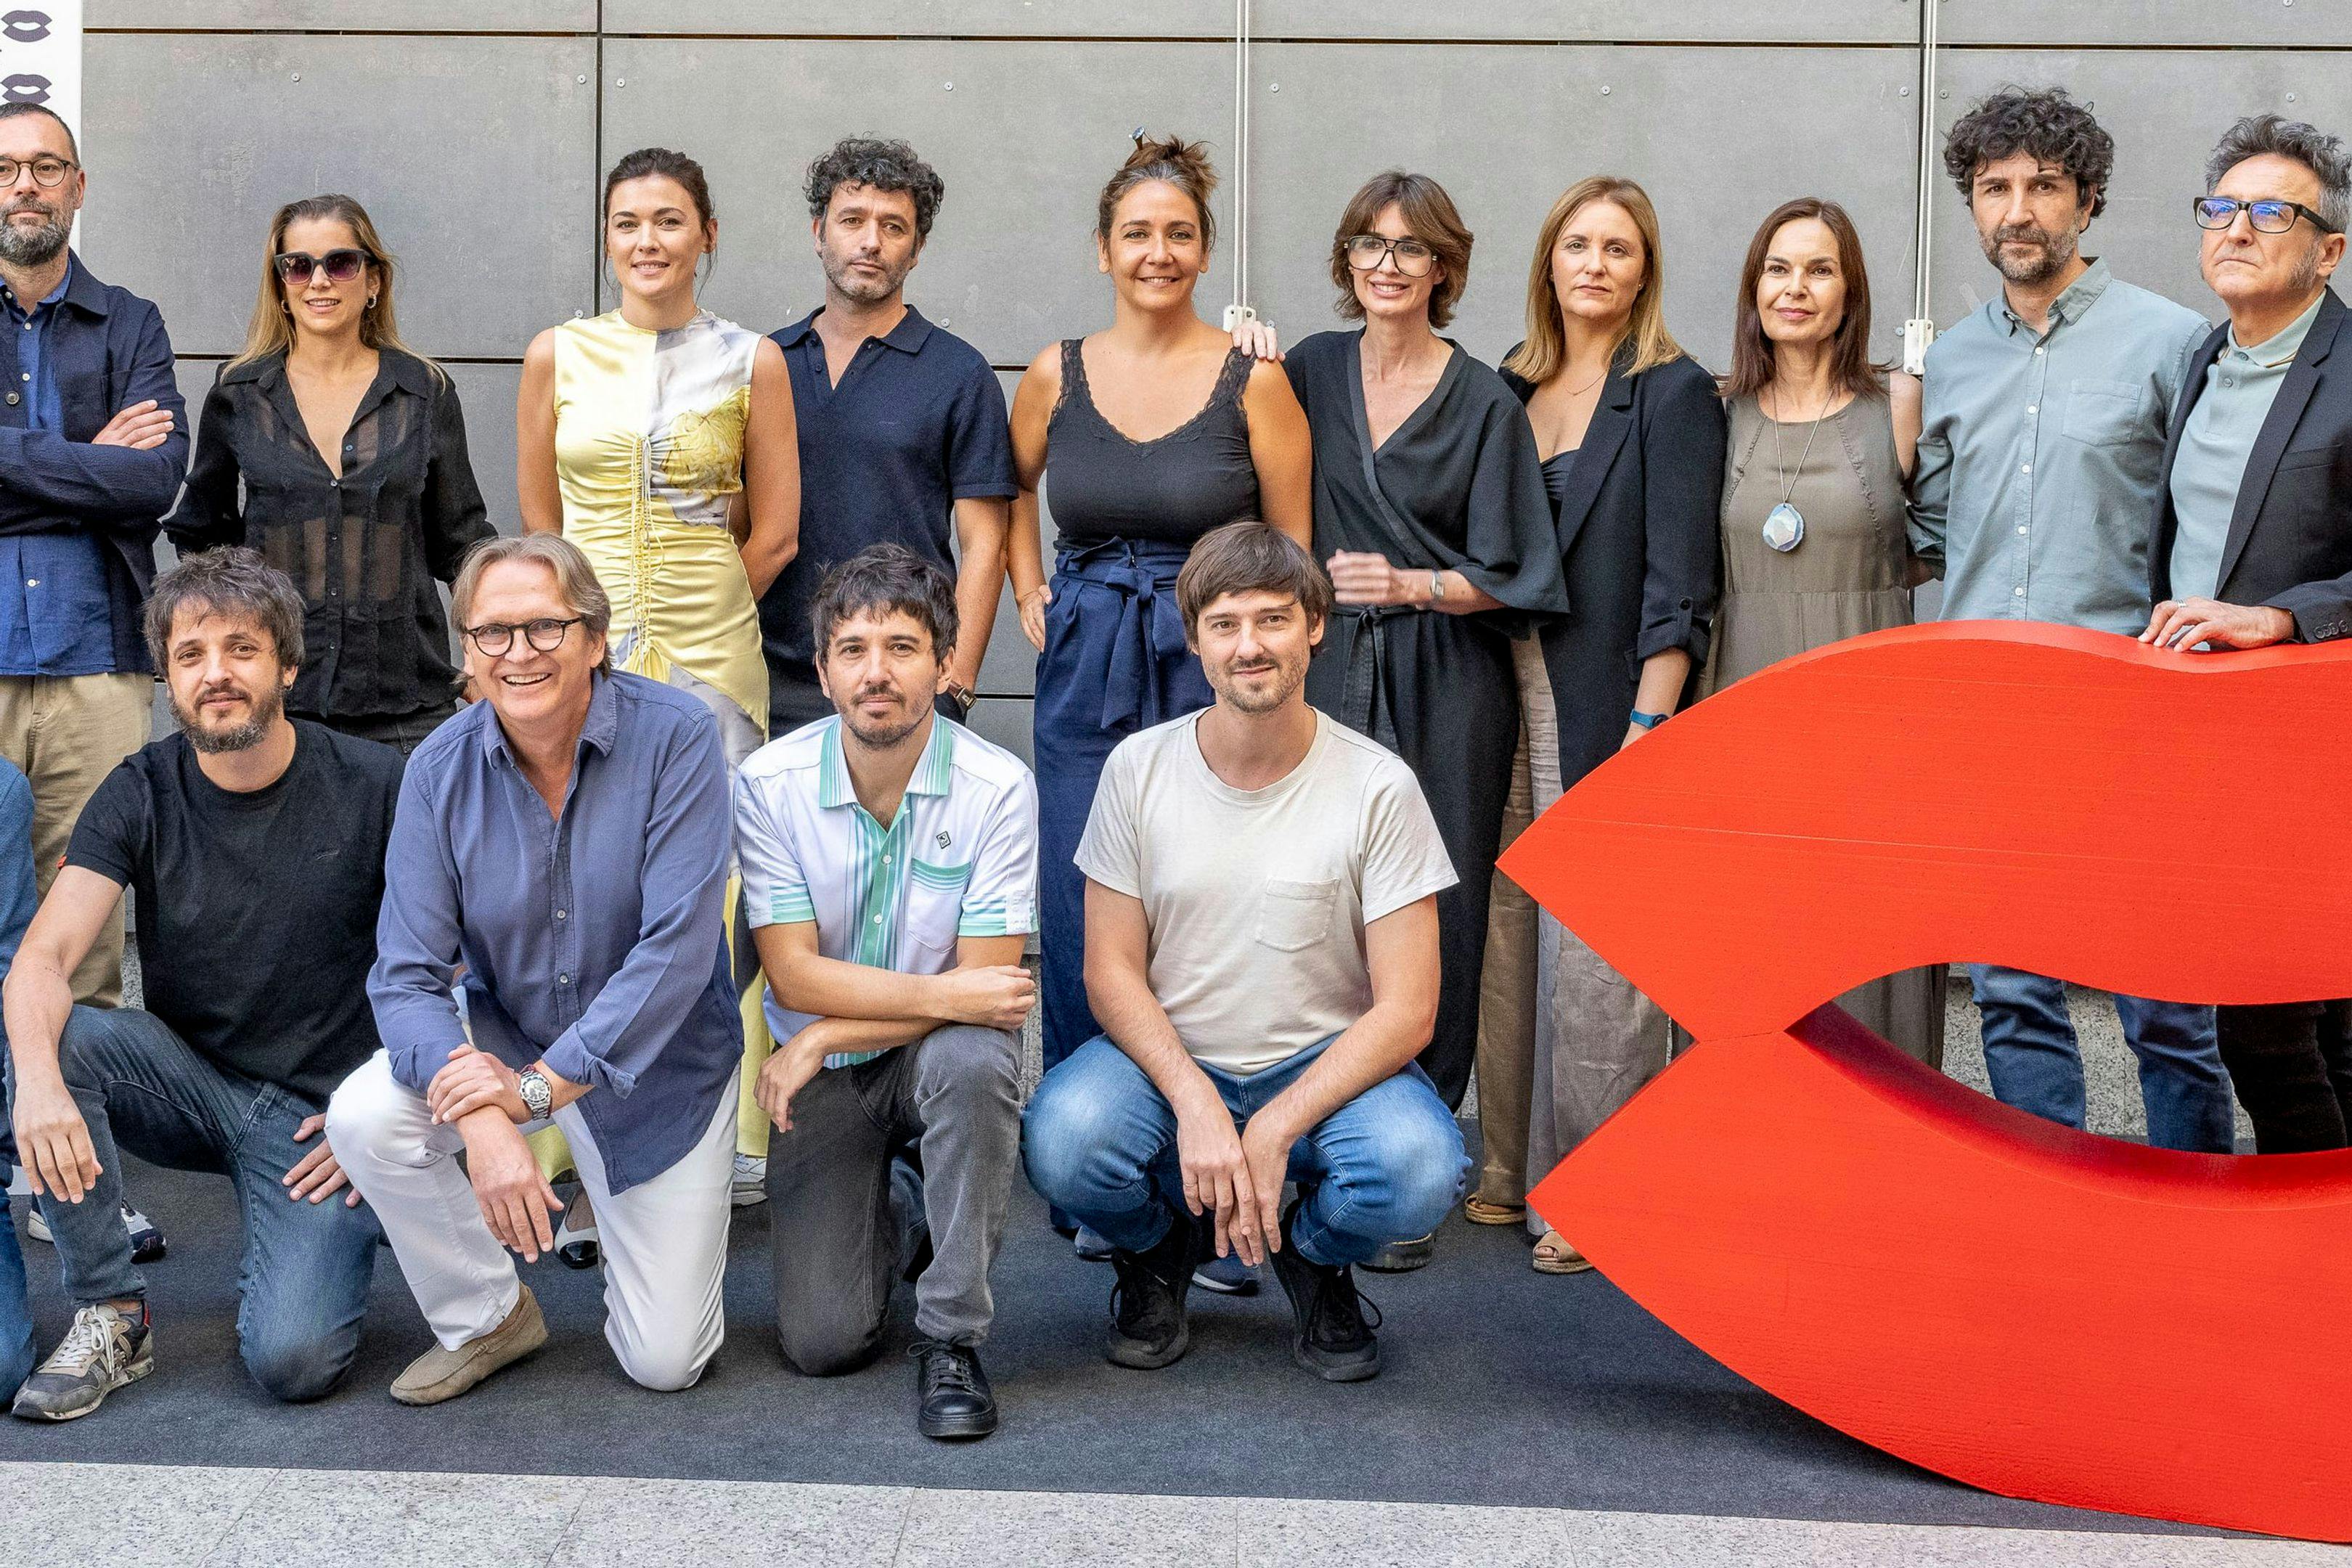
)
(890, 871)
(1262, 954)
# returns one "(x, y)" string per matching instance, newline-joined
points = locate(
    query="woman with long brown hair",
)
(1630, 435)
(338, 453)
(1823, 444)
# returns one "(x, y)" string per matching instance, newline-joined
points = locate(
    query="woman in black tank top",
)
(1144, 437)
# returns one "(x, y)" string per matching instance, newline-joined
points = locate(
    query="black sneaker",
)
(1147, 1305)
(1330, 1337)
(105, 1348)
(952, 1398)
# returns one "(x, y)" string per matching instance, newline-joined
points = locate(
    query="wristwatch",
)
(538, 1097)
(964, 694)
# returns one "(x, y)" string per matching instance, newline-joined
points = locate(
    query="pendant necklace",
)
(1784, 525)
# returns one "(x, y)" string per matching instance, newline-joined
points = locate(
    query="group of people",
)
(685, 883)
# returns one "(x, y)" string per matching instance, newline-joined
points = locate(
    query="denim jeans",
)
(2035, 1065)
(303, 1285)
(1100, 1142)
(15, 1311)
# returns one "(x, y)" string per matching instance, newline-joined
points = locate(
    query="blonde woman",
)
(1630, 435)
(340, 455)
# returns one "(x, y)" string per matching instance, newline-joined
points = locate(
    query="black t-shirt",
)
(256, 912)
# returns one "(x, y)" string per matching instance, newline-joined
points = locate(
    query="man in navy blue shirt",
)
(902, 425)
(93, 442)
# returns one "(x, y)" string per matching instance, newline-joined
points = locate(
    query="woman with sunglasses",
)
(1430, 512)
(1814, 486)
(1144, 436)
(1632, 436)
(340, 455)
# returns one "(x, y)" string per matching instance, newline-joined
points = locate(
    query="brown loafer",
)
(440, 1374)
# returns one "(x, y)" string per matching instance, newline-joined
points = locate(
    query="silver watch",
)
(538, 1098)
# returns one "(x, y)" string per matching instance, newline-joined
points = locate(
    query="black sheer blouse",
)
(365, 550)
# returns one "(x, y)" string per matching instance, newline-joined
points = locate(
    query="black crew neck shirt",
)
(257, 911)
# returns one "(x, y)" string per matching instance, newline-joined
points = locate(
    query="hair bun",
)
(1182, 163)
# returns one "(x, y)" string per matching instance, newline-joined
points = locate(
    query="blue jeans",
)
(1100, 1142)
(303, 1286)
(15, 1313)
(2035, 1065)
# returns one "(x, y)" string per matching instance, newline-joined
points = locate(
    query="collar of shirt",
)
(2075, 299)
(2281, 346)
(604, 723)
(907, 337)
(934, 770)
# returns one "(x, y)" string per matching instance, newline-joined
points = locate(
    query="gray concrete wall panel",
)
(2149, 24)
(475, 156)
(344, 16)
(2166, 109)
(1544, 118)
(1006, 722)
(1023, 141)
(924, 18)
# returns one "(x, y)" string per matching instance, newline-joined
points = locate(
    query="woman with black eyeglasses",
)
(350, 452)
(1431, 513)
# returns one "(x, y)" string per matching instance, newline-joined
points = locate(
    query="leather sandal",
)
(1479, 1211)
(1555, 1256)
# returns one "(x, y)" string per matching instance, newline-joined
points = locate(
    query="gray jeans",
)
(834, 1234)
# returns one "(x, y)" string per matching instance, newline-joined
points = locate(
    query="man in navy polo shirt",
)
(902, 425)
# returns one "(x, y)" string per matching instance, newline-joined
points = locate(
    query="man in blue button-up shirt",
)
(2040, 455)
(93, 440)
(565, 840)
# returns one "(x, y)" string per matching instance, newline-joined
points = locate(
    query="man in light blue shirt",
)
(2040, 458)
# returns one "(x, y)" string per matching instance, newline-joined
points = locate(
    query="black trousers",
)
(2291, 1064)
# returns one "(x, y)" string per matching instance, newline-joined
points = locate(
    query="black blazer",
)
(1640, 546)
(2290, 539)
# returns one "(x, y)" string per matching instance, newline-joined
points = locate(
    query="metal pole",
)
(1239, 310)
(1920, 330)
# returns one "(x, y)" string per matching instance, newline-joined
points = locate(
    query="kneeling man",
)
(565, 840)
(1262, 951)
(256, 845)
(890, 866)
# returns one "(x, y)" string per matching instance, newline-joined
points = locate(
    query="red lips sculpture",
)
(2026, 1308)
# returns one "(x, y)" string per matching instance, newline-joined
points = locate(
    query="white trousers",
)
(664, 1240)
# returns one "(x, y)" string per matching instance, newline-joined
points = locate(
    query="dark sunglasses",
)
(2268, 216)
(295, 266)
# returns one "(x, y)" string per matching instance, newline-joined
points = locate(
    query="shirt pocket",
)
(935, 905)
(1294, 916)
(2103, 413)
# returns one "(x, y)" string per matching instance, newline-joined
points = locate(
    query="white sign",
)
(40, 56)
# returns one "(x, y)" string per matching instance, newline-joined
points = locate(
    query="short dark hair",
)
(1430, 216)
(235, 581)
(2308, 145)
(877, 165)
(1250, 557)
(13, 111)
(2048, 124)
(881, 578)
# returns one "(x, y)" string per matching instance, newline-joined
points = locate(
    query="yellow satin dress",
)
(649, 429)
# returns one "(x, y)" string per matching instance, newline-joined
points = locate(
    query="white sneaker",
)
(20, 1185)
(750, 1184)
(147, 1243)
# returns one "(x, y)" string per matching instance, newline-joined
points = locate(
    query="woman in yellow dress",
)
(660, 439)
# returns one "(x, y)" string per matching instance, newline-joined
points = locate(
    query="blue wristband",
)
(1648, 720)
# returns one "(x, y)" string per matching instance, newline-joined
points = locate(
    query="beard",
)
(33, 246)
(2057, 250)
(865, 290)
(1254, 699)
(882, 736)
(240, 737)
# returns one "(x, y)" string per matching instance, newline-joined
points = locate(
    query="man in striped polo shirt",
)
(890, 866)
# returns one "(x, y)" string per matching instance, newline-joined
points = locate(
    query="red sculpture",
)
(2019, 1306)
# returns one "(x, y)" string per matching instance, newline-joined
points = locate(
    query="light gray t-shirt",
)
(1257, 899)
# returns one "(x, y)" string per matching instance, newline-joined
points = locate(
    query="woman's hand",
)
(1033, 615)
(1362, 577)
(1256, 339)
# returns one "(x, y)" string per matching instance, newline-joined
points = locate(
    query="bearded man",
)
(256, 845)
(2041, 460)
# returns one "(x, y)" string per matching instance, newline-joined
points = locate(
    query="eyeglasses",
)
(1366, 251)
(45, 170)
(2268, 216)
(295, 266)
(546, 635)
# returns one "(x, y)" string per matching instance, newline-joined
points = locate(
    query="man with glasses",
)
(563, 843)
(255, 844)
(93, 442)
(2040, 458)
(2254, 522)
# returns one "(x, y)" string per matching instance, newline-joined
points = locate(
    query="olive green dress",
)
(1846, 578)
